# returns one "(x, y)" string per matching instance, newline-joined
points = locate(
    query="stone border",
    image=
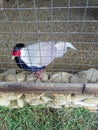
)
(55, 100)
(87, 76)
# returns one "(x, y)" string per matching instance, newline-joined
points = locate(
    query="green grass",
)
(41, 118)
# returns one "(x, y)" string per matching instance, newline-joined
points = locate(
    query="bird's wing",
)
(39, 54)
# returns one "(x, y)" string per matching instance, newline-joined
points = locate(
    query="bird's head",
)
(16, 50)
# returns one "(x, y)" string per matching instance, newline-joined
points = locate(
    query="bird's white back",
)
(38, 54)
(43, 53)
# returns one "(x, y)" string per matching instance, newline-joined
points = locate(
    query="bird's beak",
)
(13, 57)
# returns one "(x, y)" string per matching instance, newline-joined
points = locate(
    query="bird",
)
(37, 56)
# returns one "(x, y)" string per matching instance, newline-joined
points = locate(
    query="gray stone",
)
(15, 77)
(4, 102)
(60, 77)
(86, 76)
(44, 77)
(20, 103)
(78, 79)
(31, 78)
(10, 71)
(59, 101)
(11, 95)
(47, 97)
(91, 75)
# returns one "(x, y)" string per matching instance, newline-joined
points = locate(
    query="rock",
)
(36, 102)
(47, 97)
(11, 77)
(20, 103)
(11, 99)
(91, 75)
(31, 78)
(34, 99)
(78, 79)
(15, 78)
(33, 96)
(4, 102)
(61, 77)
(59, 101)
(86, 76)
(44, 77)
(13, 104)
(10, 71)
(11, 95)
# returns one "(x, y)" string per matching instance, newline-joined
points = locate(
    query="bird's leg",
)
(38, 74)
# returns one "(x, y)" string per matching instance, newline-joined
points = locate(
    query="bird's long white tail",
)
(70, 46)
(62, 48)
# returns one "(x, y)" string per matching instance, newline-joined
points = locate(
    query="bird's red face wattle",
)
(16, 53)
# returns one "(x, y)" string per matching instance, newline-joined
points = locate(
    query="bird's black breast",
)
(22, 65)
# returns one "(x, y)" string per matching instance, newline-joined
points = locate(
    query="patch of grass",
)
(41, 118)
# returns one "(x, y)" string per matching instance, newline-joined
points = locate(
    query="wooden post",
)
(67, 88)
(41, 87)
(91, 88)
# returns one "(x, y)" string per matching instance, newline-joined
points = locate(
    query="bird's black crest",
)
(19, 46)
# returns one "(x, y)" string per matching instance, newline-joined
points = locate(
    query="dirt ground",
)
(28, 24)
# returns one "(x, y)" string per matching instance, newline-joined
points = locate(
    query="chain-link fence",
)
(31, 21)
(50, 21)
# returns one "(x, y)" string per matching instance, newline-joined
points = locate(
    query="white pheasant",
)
(38, 55)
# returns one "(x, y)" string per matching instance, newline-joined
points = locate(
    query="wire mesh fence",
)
(35, 21)
(49, 21)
